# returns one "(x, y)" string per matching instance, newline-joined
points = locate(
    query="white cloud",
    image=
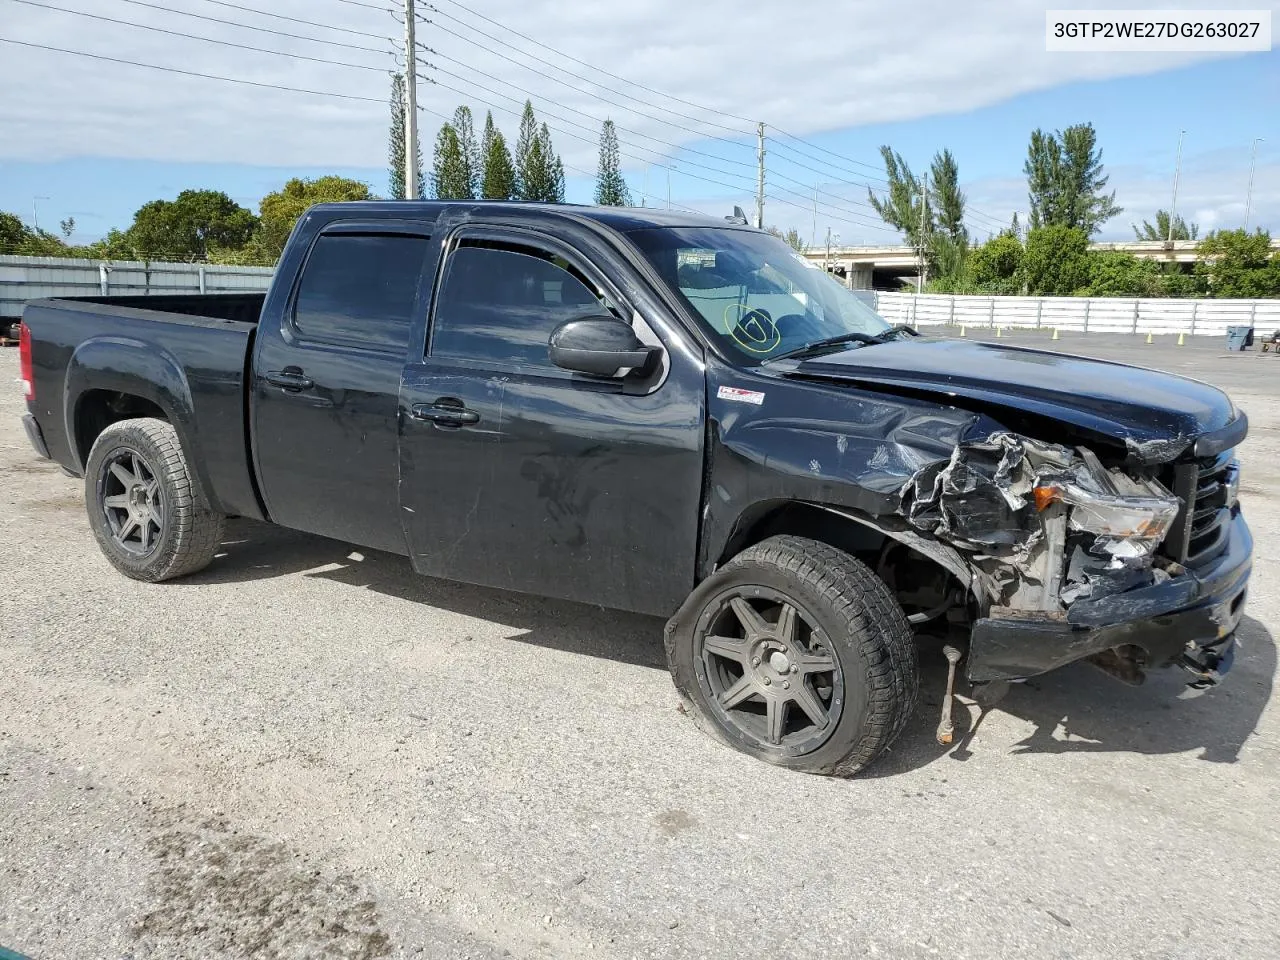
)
(808, 67)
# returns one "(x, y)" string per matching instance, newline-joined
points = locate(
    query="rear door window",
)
(359, 289)
(500, 302)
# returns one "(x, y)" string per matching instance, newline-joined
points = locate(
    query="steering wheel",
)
(755, 331)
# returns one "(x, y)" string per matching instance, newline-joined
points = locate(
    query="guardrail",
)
(1082, 314)
(31, 278)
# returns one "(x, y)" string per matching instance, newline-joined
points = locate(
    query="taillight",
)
(24, 362)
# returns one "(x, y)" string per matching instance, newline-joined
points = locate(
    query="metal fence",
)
(30, 278)
(1082, 314)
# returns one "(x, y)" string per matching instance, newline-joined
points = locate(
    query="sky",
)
(686, 83)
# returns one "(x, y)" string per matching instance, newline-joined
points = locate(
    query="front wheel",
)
(145, 504)
(796, 653)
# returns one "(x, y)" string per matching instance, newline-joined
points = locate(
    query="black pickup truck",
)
(673, 415)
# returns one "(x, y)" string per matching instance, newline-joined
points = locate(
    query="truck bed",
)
(186, 355)
(239, 307)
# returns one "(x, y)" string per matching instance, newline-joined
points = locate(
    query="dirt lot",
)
(306, 751)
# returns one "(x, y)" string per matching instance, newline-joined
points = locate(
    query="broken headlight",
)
(1126, 525)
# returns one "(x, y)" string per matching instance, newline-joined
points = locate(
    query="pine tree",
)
(449, 176)
(554, 192)
(525, 168)
(465, 129)
(1065, 182)
(611, 188)
(900, 208)
(948, 201)
(499, 181)
(395, 145)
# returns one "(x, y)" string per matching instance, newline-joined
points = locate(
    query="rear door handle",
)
(445, 413)
(290, 379)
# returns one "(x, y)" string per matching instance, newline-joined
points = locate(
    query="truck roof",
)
(619, 218)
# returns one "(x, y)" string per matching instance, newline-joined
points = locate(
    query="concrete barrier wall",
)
(1082, 314)
(31, 278)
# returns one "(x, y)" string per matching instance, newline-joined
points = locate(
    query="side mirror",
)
(599, 346)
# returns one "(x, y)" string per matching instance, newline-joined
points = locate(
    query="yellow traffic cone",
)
(962, 330)
(1148, 338)
(1180, 339)
(999, 333)
(1055, 334)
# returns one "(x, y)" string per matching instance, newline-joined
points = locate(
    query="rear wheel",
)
(796, 653)
(145, 505)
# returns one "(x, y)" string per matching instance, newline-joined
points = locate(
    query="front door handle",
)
(445, 412)
(290, 379)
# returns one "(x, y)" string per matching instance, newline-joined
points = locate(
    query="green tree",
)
(996, 266)
(279, 211)
(450, 176)
(1160, 229)
(611, 188)
(541, 175)
(17, 238)
(900, 206)
(499, 181)
(469, 149)
(791, 238)
(1238, 264)
(67, 226)
(1065, 180)
(948, 200)
(1116, 274)
(395, 145)
(525, 167)
(1056, 261)
(187, 227)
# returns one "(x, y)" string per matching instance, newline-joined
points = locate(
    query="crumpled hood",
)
(1146, 410)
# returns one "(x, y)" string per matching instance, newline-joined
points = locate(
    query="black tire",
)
(853, 623)
(160, 526)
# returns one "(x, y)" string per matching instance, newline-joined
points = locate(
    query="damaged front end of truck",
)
(1075, 559)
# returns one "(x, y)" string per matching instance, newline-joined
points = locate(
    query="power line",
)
(565, 83)
(576, 76)
(281, 16)
(192, 73)
(583, 113)
(684, 162)
(589, 66)
(278, 33)
(189, 36)
(367, 6)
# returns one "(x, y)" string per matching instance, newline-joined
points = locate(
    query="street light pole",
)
(1248, 200)
(1177, 172)
(35, 211)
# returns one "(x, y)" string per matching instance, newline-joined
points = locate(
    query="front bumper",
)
(1189, 620)
(35, 435)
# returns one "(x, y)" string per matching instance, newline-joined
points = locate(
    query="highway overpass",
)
(884, 267)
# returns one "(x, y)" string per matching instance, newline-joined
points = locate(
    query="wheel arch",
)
(852, 531)
(110, 379)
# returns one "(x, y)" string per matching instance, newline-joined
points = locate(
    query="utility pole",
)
(924, 213)
(826, 264)
(35, 211)
(410, 105)
(1248, 199)
(813, 237)
(1173, 207)
(760, 176)
(668, 187)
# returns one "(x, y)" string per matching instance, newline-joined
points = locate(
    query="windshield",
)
(755, 294)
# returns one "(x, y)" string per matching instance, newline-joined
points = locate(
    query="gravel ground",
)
(306, 751)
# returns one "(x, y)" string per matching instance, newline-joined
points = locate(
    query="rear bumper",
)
(35, 435)
(1189, 620)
